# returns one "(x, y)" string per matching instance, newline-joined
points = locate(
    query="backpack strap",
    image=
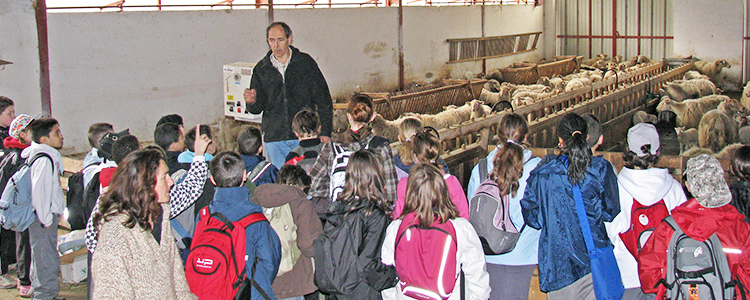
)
(252, 218)
(30, 161)
(255, 283)
(482, 169)
(258, 170)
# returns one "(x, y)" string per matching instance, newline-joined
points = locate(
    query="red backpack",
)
(215, 267)
(643, 221)
(425, 259)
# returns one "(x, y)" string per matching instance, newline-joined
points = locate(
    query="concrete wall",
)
(18, 44)
(711, 30)
(130, 68)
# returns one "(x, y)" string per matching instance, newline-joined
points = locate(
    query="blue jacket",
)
(269, 176)
(548, 205)
(525, 252)
(262, 242)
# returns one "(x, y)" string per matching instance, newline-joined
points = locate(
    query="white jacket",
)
(648, 186)
(469, 257)
(46, 192)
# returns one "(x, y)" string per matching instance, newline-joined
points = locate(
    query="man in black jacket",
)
(284, 82)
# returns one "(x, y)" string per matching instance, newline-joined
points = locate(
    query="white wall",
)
(711, 30)
(130, 68)
(18, 44)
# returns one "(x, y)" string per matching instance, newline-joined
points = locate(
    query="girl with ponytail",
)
(548, 205)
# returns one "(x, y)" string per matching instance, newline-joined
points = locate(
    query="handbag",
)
(604, 270)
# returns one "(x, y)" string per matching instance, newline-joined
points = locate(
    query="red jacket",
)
(699, 223)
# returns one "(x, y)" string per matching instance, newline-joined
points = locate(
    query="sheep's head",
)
(601, 56)
(733, 107)
(617, 58)
(543, 80)
(722, 64)
(746, 90)
(664, 104)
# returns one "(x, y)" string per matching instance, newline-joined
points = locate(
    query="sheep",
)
(695, 151)
(642, 59)
(687, 138)
(385, 128)
(593, 60)
(535, 96)
(734, 109)
(535, 88)
(492, 85)
(679, 90)
(555, 82)
(689, 112)
(728, 151)
(630, 62)
(490, 97)
(643, 117)
(577, 83)
(711, 68)
(745, 100)
(449, 117)
(717, 130)
(694, 75)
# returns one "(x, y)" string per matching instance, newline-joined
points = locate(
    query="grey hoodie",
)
(46, 192)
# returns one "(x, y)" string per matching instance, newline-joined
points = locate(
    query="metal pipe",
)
(639, 27)
(270, 12)
(401, 79)
(648, 37)
(40, 10)
(614, 27)
(484, 60)
(744, 41)
(591, 17)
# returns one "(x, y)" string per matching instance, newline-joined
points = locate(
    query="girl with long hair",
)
(429, 205)
(509, 165)
(740, 188)
(425, 146)
(548, 204)
(132, 260)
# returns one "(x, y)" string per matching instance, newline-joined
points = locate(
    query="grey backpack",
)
(696, 268)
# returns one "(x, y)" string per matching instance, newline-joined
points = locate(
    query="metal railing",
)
(470, 49)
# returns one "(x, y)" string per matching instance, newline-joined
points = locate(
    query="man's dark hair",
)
(4, 103)
(41, 127)
(190, 136)
(227, 169)
(123, 146)
(287, 29)
(249, 141)
(173, 118)
(294, 176)
(595, 129)
(96, 131)
(166, 134)
(306, 123)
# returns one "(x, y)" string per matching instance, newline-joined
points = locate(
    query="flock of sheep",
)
(707, 121)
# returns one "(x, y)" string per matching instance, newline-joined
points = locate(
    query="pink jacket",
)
(454, 187)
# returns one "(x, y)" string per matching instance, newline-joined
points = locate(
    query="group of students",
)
(367, 224)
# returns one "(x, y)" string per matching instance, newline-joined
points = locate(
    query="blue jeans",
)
(278, 150)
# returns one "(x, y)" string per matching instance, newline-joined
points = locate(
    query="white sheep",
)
(679, 90)
(745, 99)
(689, 112)
(385, 128)
(687, 138)
(451, 116)
(694, 75)
(711, 68)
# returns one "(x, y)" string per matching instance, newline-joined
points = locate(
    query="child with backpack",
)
(647, 195)
(508, 166)
(15, 246)
(701, 251)
(306, 127)
(92, 158)
(262, 248)
(7, 115)
(132, 260)
(293, 218)
(404, 160)
(48, 202)
(170, 137)
(436, 253)
(186, 157)
(326, 178)
(425, 145)
(347, 253)
(259, 170)
(740, 188)
(549, 204)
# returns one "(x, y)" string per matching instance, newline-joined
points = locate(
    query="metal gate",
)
(624, 27)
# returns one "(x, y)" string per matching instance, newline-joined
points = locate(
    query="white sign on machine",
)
(236, 80)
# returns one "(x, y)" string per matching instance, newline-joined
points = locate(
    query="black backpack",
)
(77, 216)
(337, 252)
(90, 196)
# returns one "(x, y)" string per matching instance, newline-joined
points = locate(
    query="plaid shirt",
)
(181, 196)
(321, 170)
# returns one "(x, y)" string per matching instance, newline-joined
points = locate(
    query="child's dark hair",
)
(173, 118)
(365, 182)
(741, 163)
(123, 146)
(306, 123)
(190, 136)
(507, 167)
(594, 127)
(426, 147)
(5, 102)
(294, 176)
(227, 169)
(573, 131)
(249, 141)
(96, 131)
(41, 127)
(741, 188)
(167, 134)
(631, 160)
(361, 107)
(512, 127)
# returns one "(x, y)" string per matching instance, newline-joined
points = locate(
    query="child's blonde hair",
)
(406, 131)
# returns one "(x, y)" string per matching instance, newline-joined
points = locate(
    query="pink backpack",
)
(425, 259)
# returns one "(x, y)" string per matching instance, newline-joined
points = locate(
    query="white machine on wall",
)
(236, 80)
